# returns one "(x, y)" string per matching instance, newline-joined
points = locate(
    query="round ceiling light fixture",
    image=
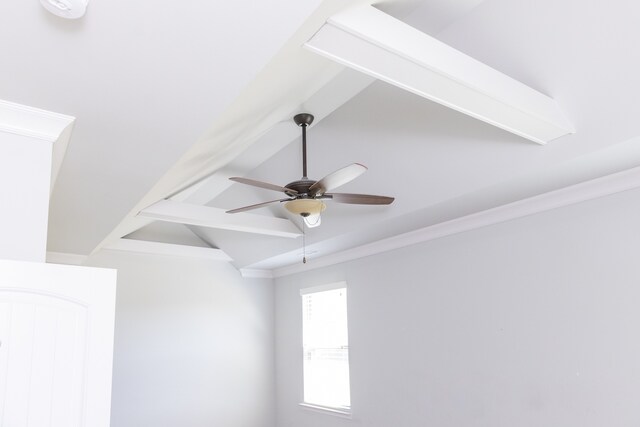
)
(69, 9)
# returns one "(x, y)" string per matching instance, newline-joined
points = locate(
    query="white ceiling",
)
(157, 90)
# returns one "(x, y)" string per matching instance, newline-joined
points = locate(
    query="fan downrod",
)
(304, 120)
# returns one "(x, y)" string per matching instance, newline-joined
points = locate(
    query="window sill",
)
(343, 413)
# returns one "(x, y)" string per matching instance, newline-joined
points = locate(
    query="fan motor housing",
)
(301, 186)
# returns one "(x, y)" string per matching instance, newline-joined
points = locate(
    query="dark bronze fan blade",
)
(337, 178)
(262, 185)
(360, 199)
(256, 206)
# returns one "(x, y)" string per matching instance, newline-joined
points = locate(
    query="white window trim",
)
(342, 413)
(338, 412)
(323, 288)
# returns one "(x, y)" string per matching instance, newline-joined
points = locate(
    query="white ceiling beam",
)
(367, 39)
(170, 249)
(205, 216)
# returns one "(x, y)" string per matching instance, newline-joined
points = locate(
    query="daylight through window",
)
(326, 347)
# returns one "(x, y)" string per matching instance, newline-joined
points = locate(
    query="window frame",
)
(342, 412)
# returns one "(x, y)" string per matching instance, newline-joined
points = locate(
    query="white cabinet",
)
(56, 345)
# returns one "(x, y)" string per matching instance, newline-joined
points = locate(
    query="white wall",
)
(193, 344)
(533, 322)
(25, 177)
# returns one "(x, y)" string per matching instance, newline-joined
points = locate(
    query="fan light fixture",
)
(305, 207)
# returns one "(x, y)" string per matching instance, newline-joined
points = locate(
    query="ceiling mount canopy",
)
(303, 119)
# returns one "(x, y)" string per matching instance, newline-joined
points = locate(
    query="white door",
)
(56, 345)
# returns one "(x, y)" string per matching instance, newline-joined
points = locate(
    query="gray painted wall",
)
(533, 322)
(193, 344)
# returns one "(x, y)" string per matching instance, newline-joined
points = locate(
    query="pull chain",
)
(304, 243)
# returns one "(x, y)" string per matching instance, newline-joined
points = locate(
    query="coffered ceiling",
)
(170, 102)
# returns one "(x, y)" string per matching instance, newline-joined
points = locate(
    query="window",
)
(326, 347)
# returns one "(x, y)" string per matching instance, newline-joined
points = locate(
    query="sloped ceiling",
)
(144, 80)
(151, 86)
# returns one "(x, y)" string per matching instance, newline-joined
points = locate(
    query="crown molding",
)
(588, 190)
(66, 258)
(39, 125)
(32, 122)
(254, 273)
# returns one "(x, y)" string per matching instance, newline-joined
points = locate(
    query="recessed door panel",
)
(43, 353)
(56, 339)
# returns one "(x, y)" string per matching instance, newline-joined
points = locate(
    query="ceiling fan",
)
(305, 196)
